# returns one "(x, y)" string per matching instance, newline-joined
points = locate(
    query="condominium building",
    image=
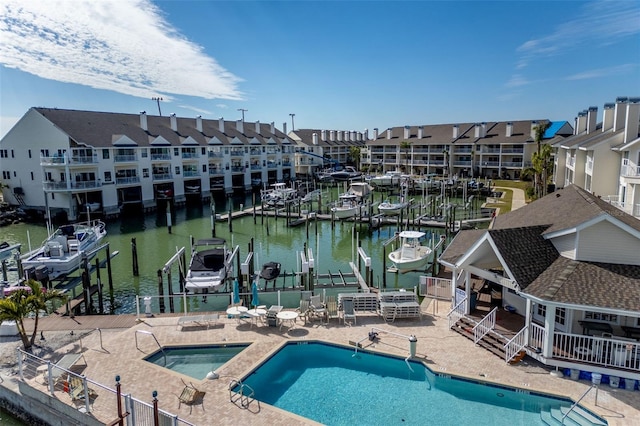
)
(66, 160)
(488, 149)
(604, 157)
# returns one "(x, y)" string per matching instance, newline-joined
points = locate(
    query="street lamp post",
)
(243, 111)
(292, 126)
(158, 99)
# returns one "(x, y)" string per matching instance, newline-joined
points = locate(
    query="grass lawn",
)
(505, 205)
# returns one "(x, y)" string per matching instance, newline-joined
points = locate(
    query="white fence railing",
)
(437, 288)
(515, 345)
(82, 393)
(485, 325)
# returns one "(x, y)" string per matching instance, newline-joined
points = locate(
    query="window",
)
(107, 176)
(177, 169)
(203, 151)
(105, 154)
(599, 316)
(12, 154)
(204, 168)
(29, 153)
(176, 152)
(31, 175)
(143, 154)
(561, 313)
(145, 173)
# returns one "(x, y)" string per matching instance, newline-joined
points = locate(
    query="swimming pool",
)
(330, 385)
(195, 361)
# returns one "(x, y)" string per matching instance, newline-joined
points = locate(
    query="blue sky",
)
(334, 64)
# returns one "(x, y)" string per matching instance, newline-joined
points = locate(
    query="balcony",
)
(161, 157)
(629, 169)
(162, 176)
(189, 155)
(256, 167)
(255, 151)
(513, 150)
(286, 163)
(516, 164)
(125, 158)
(127, 180)
(237, 152)
(462, 163)
(215, 171)
(190, 173)
(215, 154)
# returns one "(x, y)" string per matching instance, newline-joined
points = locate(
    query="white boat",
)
(427, 183)
(390, 178)
(278, 195)
(208, 267)
(388, 208)
(347, 206)
(63, 251)
(410, 255)
(360, 189)
(7, 250)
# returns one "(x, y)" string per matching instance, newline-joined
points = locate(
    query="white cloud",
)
(599, 22)
(198, 110)
(603, 72)
(517, 80)
(125, 46)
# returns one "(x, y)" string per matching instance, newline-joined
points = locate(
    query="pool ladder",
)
(245, 394)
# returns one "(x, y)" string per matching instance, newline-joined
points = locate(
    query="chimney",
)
(240, 126)
(360, 136)
(607, 116)
(314, 138)
(258, 127)
(407, 132)
(174, 122)
(323, 135)
(592, 115)
(339, 135)
(284, 127)
(483, 129)
(199, 123)
(575, 125)
(618, 117)
(633, 120)
(332, 135)
(477, 131)
(509, 129)
(534, 124)
(273, 128)
(143, 120)
(389, 133)
(221, 124)
(582, 121)
(456, 131)
(353, 136)
(375, 133)
(365, 136)
(420, 132)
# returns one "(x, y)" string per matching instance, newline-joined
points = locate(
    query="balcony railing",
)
(160, 157)
(513, 150)
(64, 185)
(512, 164)
(256, 167)
(162, 176)
(190, 173)
(127, 180)
(215, 171)
(122, 158)
(213, 154)
(190, 155)
(629, 169)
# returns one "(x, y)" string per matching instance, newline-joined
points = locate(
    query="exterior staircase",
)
(493, 342)
(576, 417)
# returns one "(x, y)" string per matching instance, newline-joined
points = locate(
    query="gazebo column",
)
(527, 319)
(549, 325)
(454, 280)
(467, 290)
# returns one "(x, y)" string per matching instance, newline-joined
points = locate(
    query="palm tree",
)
(354, 153)
(406, 147)
(23, 303)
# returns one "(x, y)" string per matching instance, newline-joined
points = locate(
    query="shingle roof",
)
(460, 244)
(99, 129)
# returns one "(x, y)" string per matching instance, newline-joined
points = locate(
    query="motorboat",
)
(270, 271)
(347, 173)
(278, 195)
(411, 255)
(62, 252)
(348, 205)
(390, 178)
(427, 183)
(362, 190)
(92, 207)
(208, 267)
(388, 208)
(7, 250)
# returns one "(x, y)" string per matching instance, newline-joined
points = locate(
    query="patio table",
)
(589, 326)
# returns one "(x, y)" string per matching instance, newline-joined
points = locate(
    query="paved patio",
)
(441, 349)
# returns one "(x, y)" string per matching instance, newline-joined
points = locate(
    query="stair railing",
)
(485, 325)
(575, 404)
(515, 345)
(457, 312)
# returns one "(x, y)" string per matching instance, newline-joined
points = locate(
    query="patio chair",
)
(76, 389)
(317, 308)
(348, 311)
(191, 396)
(332, 308)
(303, 310)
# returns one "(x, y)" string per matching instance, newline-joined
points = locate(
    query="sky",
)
(343, 65)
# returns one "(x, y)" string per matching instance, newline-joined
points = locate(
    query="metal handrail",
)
(575, 404)
(154, 338)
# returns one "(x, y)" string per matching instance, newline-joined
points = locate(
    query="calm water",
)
(373, 389)
(273, 241)
(7, 419)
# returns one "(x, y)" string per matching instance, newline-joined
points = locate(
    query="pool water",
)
(330, 385)
(195, 361)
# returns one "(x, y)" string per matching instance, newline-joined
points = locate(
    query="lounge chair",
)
(77, 389)
(190, 396)
(332, 308)
(62, 367)
(348, 312)
(317, 308)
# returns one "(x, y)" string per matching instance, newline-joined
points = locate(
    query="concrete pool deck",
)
(113, 352)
